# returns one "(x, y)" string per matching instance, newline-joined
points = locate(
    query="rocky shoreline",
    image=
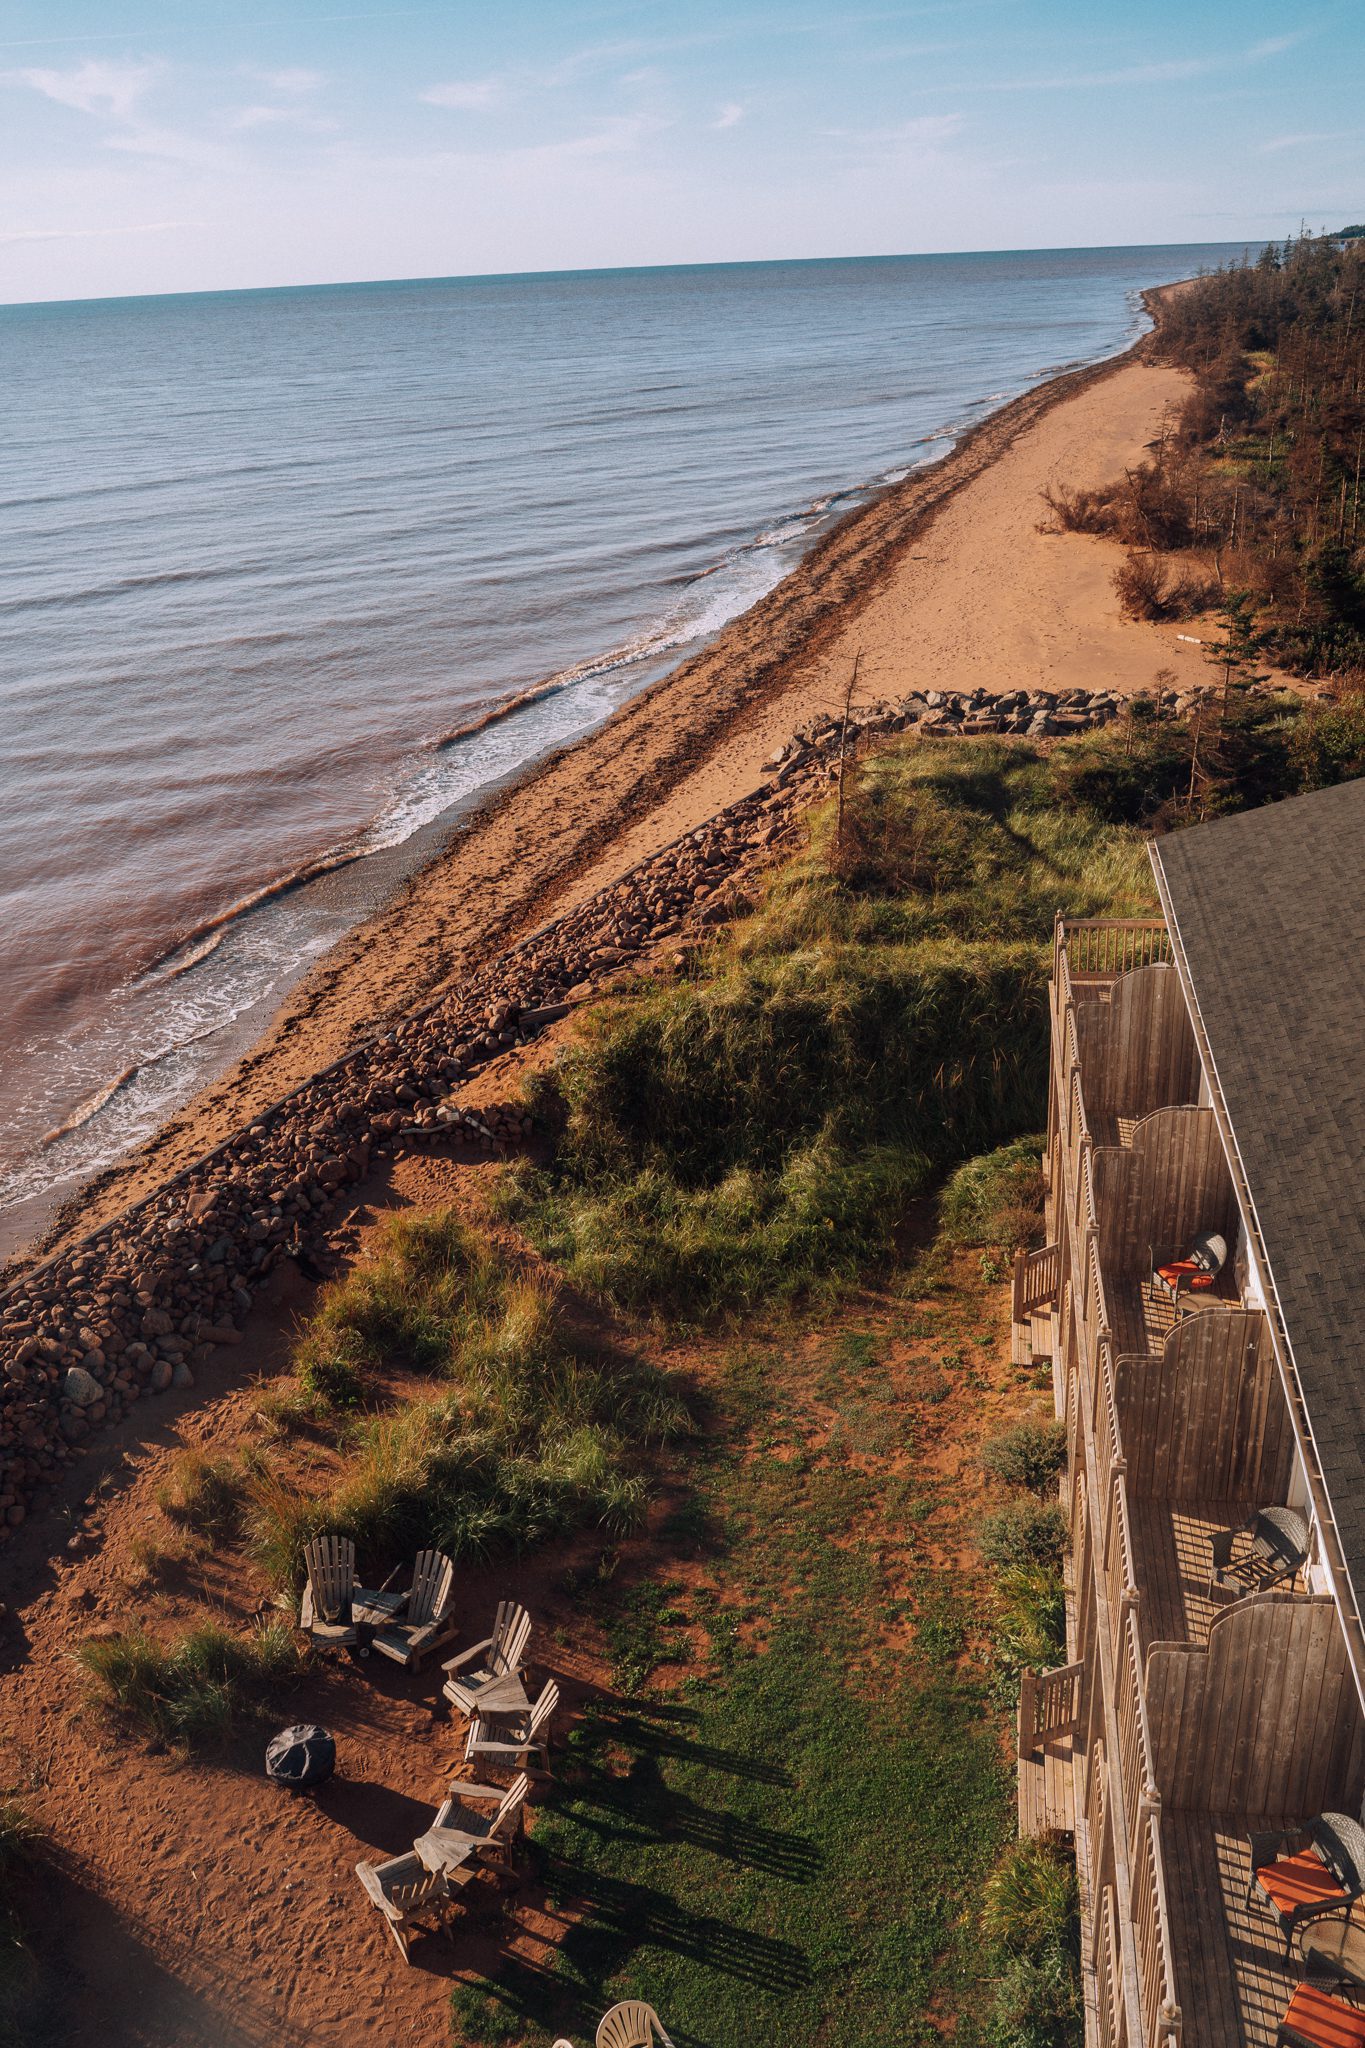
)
(130, 1309)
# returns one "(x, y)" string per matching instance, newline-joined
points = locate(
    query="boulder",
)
(81, 1388)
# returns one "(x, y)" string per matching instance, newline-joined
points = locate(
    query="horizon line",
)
(617, 270)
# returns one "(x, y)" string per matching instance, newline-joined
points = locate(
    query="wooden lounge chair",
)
(326, 1610)
(491, 1835)
(511, 1740)
(483, 1664)
(632, 2024)
(1318, 2019)
(426, 1621)
(1197, 1273)
(408, 1896)
(1322, 1872)
(1277, 1551)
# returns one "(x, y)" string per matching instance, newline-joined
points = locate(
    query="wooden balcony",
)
(1197, 1711)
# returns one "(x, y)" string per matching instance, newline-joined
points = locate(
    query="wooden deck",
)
(1144, 1315)
(1171, 1566)
(1229, 1957)
(1047, 1788)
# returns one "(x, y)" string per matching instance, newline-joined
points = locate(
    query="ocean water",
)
(262, 553)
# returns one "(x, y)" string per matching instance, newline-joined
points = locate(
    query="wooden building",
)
(1208, 1079)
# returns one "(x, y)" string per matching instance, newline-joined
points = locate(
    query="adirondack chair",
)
(512, 1739)
(491, 1835)
(632, 2024)
(482, 1665)
(408, 1896)
(426, 1622)
(326, 1610)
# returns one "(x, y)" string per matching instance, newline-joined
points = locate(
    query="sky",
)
(194, 145)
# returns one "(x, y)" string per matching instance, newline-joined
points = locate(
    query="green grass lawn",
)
(790, 1845)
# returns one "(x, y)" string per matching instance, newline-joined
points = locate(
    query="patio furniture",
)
(1333, 1953)
(325, 1613)
(1277, 1550)
(632, 2024)
(1317, 2019)
(1197, 1273)
(408, 1896)
(1323, 1873)
(301, 1758)
(476, 1671)
(426, 1621)
(461, 1834)
(512, 1739)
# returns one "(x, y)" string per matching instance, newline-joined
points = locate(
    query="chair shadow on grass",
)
(651, 1728)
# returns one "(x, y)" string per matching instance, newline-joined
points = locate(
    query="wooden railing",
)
(1152, 1933)
(1035, 1280)
(1098, 947)
(1127, 1891)
(1049, 1705)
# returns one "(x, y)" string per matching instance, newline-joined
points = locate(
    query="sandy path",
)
(943, 581)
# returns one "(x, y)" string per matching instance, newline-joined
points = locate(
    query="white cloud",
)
(294, 83)
(468, 95)
(8, 236)
(1279, 142)
(95, 87)
(729, 116)
(1275, 46)
(282, 117)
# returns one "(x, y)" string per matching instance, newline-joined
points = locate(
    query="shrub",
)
(203, 1494)
(194, 1691)
(1031, 1918)
(1031, 1454)
(1030, 1628)
(1023, 1533)
(996, 1199)
(1142, 586)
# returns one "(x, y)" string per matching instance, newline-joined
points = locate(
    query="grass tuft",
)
(196, 1691)
(203, 1494)
(1031, 1455)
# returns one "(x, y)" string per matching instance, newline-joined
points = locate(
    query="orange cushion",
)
(1300, 1880)
(1330, 2021)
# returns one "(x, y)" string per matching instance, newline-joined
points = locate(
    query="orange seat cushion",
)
(1329, 2021)
(1302, 1880)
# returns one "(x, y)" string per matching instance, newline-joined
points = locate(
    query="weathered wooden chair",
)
(326, 1609)
(632, 2024)
(492, 1835)
(408, 1896)
(511, 1740)
(426, 1621)
(485, 1664)
(1322, 1873)
(1277, 1550)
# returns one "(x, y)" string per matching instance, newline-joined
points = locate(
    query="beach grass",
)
(516, 1427)
(192, 1692)
(756, 1131)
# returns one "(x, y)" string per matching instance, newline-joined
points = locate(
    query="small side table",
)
(1333, 1951)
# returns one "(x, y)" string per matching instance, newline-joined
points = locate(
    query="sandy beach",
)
(948, 580)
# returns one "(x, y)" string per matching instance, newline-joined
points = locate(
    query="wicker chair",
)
(1322, 1873)
(1319, 2019)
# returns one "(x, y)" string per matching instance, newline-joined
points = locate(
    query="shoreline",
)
(574, 816)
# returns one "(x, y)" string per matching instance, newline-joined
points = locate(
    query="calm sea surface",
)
(259, 551)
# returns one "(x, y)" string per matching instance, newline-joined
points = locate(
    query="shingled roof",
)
(1267, 912)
